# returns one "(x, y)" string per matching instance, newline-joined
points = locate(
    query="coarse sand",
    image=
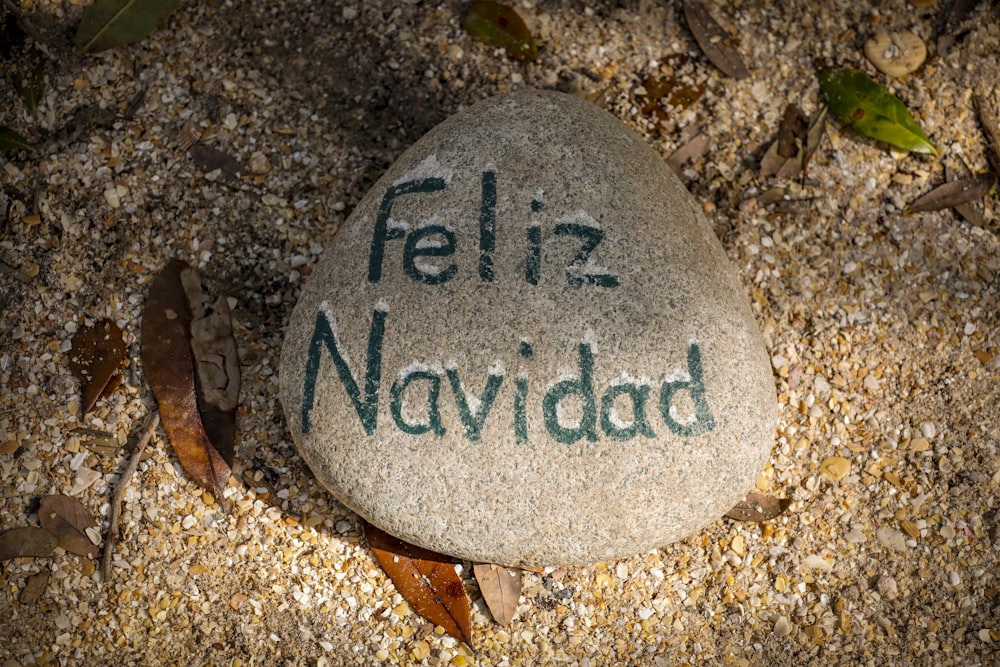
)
(883, 331)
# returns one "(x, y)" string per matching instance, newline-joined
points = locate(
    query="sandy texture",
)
(883, 332)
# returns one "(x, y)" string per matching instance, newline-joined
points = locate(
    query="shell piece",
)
(896, 53)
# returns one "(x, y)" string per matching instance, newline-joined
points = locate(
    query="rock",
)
(526, 346)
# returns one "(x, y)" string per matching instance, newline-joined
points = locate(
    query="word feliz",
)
(598, 416)
(433, 239)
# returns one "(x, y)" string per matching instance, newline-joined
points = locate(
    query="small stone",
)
(782, 627)
(896, 53)
(928, 429)
(953, 578)
(259, 164)
(919, 445)
(835, 467)
(530, 327)
(887, 587)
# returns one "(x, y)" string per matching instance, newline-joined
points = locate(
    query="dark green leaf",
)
(30, 87)
(870, 109)
(109, 23)
(12, 141)
(498, 24)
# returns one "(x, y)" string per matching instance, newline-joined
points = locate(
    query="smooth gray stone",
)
(526, 346)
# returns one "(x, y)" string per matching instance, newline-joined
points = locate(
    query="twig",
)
(991, 127)
(116, 498)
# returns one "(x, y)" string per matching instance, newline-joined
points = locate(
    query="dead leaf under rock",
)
(96, 360)
(190, 359)
(426, 580)
(717, 44)
(953, 194)
(210, 159)
(789, 155)
(757, 507)
(34, 588)
(501, 589)
(68, 520)
(29, 541)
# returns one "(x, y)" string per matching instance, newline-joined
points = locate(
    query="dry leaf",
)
(209, 159)
(426, 580)
(34, 588)
(987, 115)
(68, 520)
(952, 194)
(757, 507)
(96, 360)
(190, 361)
(501, 588)
(715, 42)
(789, 155)
(32, 542)
(691, 150)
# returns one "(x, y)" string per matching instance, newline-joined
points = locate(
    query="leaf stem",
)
(116, 498)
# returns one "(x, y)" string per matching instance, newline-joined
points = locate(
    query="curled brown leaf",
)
(96, 360)
(193, 372)
(717, 44)
(28, 541)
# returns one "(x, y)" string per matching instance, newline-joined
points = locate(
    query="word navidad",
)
(598, 415)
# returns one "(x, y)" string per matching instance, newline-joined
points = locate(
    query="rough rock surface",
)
(526, 346)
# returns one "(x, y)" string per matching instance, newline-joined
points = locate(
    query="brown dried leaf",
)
(758, 507)
(209, 159)
(191, 365)
(30, 541)
(691, 150)
(96, 360)
(788, 156)
(501, 588)
(987, 115)
(68, 520)
(426, 580)
(953, 193)
(34, 588)
(715, 42)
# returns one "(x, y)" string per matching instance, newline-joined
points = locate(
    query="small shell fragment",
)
(896, 53)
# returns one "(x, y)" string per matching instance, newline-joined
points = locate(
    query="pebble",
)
(529, 326)
(896, 53)
(835, 467)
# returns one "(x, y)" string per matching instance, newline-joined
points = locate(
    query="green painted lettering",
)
(582, 387)
(433, 420)
(415, 249)
(487, 225)
(323, 336)
(472, 419)
(703, 421)
(575, 272)
(638, 395)
(382, 231)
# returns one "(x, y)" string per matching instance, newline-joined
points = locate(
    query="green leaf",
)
(12, 141)
(108, 23)
(30, 88)
(870, 109)
(498, 24)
